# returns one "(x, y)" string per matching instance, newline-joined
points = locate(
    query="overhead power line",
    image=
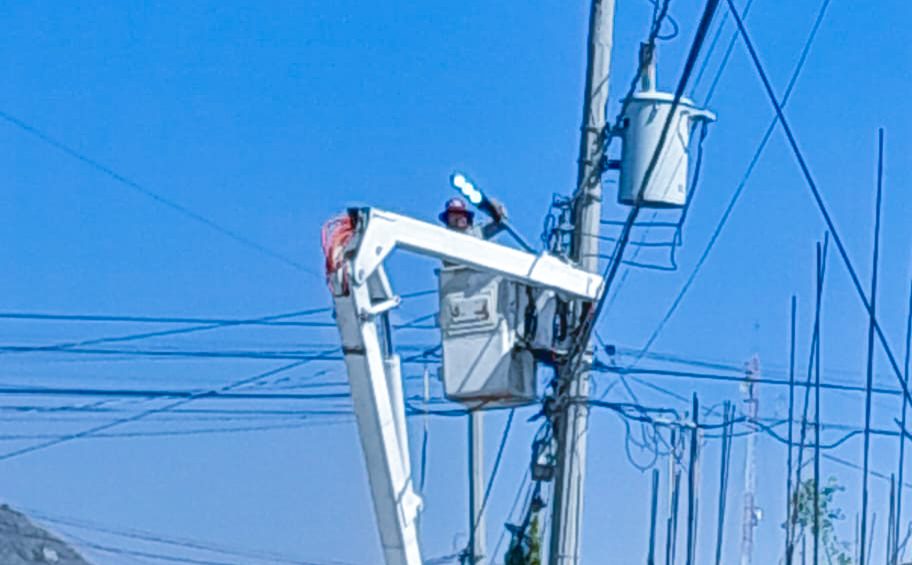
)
(818, 200)
(105, 318)
(163, 393)
(205, 326)
(277, 320)
(146, 536)
(149, 193)
(140, 415)
(302, 423)
(736, 195)
(611, 269)
(70, 345)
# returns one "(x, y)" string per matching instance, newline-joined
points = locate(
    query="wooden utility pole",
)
(573, 419)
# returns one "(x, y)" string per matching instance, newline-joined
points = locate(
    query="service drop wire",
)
(818, 200)
(611, 269)
(140, 415)
(736, 195)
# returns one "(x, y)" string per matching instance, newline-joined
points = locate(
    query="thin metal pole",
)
(870, 365)
(857, 552)
(817, 533)
(873, 529)
(723, 478)
(692, 484)
(902, 432)
(791, 417)
(815, 344)
(652, 517)
(573, 420)
(671, 535)
(674, 485)
(891, 522)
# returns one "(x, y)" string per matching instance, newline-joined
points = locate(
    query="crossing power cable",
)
(155, 196)
(148, 335)
(151, 537)
(205, 326)
(736, 195)
(611, 269)
(106, 318)
(818, 200)
(140, 415)
(301, 424)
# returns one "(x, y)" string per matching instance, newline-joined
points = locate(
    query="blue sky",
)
(269, 118)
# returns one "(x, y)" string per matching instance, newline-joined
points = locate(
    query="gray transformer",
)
(486, 360)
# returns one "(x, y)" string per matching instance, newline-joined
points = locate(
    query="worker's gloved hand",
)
(500, 209)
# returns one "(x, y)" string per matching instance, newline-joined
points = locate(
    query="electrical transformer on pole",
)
(572, 428)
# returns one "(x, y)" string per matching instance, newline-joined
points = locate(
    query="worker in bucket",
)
(458, 217)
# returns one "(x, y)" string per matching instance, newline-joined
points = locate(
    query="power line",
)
(818, 199)
(688, 375)
(135, 417)
(167, 353)
(179, 433)
(205, 326)
(741, 184)
(148, 335)
(151, 537)
(162, 393)
(149, 193)
(726, 57)
(611, 269)
(36, 316)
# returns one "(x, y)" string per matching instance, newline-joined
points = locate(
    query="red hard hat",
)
(456, 206)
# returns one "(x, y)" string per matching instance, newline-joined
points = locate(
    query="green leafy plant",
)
(805, 502)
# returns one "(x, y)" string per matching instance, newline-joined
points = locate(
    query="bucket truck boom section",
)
(356, 246)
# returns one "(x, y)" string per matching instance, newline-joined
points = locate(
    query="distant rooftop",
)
(24, 543)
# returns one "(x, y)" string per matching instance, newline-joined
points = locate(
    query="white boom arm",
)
(361, 293)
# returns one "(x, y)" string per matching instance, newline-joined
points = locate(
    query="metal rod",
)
(818, 304)
(723, 478)
(791, 410)
(869, 383)
(902, 426)
(891, 520)
(671, 528)
(692, 483)
(817, 533)
(652, 517)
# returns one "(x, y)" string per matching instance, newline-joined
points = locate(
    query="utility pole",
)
(573, 419)
(477, 534)
(749, 520)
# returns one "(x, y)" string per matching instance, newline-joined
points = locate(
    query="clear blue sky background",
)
(271, 117)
